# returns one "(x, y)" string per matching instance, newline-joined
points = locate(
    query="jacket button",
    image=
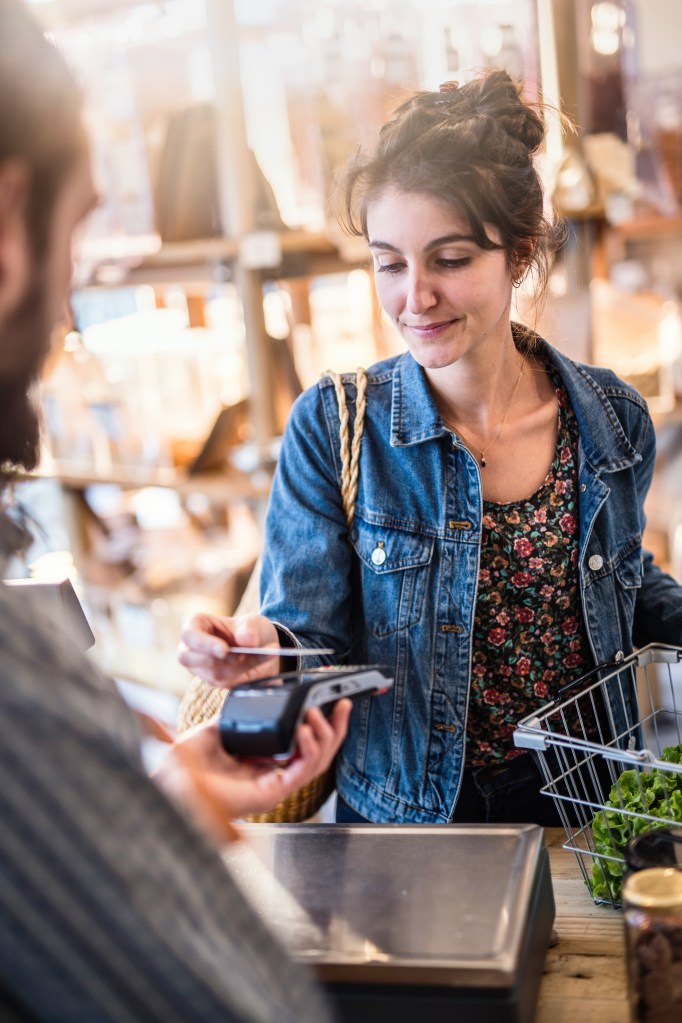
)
(596, 562)
(583, 488)
(378, 555)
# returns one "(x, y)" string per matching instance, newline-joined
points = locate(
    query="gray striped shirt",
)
(113, 907)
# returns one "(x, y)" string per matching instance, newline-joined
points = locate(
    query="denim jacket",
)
(400, 590)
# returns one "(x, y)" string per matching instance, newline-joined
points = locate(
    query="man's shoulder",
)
(24, 630)
(43, 664)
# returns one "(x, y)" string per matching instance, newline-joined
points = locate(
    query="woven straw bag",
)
(202, 702)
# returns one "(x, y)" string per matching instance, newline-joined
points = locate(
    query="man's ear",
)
(14, 248)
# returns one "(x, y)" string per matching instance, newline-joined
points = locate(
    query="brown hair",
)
(469, 146)
(41, 127)
(40, 114)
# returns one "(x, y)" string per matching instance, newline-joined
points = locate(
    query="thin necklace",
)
(481, 458)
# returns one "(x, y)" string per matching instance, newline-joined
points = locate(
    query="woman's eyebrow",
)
(383, 245)
(446, 239)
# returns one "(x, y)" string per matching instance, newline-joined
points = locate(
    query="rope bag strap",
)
(350, 451)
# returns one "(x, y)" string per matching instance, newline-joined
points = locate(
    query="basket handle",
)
(666, 652)
(604, 666)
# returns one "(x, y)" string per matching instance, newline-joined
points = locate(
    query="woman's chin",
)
(434, 357)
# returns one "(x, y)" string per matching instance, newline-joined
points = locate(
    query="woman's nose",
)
(421, 294)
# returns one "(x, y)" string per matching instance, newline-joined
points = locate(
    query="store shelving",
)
(358, 63)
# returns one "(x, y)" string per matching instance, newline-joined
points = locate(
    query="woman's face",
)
(448, 297)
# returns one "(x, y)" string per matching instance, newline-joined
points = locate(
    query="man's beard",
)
(24, 344)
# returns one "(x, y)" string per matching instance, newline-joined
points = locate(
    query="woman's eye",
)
(454, 263)
(389, 268)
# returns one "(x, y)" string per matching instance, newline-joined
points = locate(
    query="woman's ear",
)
(14, 247)
(522, 258)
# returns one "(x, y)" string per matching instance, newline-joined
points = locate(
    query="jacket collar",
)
(605, 444)
(415, 418)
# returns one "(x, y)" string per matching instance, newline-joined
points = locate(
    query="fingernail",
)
(218, 650)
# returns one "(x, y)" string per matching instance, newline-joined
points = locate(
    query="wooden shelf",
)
(615, 240)
(650, 226)
(297, 253)
(645, 225)
(231, 485)
(642, 225)
(592, 212)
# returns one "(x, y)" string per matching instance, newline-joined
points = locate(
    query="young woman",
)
(496, 549)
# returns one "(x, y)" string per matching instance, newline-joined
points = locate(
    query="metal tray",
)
(411, 914)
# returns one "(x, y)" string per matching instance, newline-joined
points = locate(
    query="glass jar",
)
(652, 907)
(661, 847)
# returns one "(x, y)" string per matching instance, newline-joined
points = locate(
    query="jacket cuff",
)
(287, 639)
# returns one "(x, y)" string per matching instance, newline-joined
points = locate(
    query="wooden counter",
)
(584, 979)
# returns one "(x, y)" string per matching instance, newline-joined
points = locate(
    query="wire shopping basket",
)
(610, 755)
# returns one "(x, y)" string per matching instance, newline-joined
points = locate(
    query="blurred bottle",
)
(510, 56)
(452, 58)
(73, 434)
(82, 415)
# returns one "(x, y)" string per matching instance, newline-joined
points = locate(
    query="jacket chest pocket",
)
(394, 566)
(623, 564)
(613, 581)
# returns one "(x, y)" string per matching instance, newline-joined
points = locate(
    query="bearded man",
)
(114, 905)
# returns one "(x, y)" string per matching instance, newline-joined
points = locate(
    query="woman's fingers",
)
(233, 670)
(205, 644)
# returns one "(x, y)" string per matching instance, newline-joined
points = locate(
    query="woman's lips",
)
(428, 331)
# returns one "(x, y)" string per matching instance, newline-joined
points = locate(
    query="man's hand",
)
(215, 787)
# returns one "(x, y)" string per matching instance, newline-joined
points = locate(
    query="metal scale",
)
(425, 922)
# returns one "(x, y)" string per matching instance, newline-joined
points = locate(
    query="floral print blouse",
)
(528, 637)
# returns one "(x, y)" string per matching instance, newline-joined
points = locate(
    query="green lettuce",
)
(657, 793)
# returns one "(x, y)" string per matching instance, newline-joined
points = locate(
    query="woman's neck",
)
(478, 390)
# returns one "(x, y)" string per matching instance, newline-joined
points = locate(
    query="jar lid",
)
(654, 888)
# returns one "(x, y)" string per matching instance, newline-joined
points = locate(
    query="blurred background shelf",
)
(228, 486)
(211, 286)
(276, 255)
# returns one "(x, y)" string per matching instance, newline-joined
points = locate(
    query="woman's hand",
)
(215, 787)
(205, 643)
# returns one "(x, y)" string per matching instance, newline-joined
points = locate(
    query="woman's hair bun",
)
(471, 146)
(496, 95)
